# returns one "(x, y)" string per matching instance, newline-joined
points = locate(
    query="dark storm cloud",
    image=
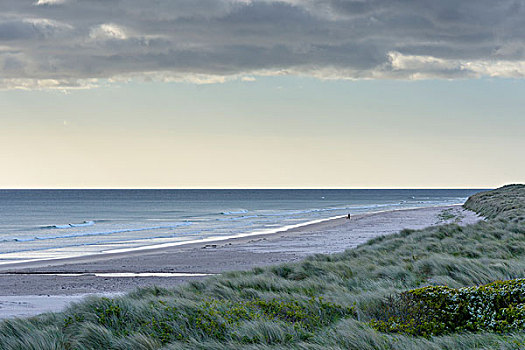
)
(61, 43)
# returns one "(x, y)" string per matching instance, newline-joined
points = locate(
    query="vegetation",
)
(364, 298)
(505, 203)
(496, 307)
(450, 215)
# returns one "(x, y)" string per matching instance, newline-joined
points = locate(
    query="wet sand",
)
(41, 286)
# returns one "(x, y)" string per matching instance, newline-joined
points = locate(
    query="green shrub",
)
(495, 307)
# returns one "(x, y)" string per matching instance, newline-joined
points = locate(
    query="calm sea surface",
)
(39, 224)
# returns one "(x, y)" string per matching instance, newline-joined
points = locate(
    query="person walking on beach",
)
(348, 217)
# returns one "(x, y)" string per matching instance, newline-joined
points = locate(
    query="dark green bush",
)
(495, 307)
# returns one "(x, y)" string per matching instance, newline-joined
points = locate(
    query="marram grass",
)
(326, 301)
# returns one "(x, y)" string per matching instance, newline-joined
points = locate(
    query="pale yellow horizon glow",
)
(278, 134)
(101, 159)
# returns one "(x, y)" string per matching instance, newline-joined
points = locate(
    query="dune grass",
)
(322, 302)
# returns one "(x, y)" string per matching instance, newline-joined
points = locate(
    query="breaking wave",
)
(88, 234)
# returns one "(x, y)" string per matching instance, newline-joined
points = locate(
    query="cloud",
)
(205, 41)
(50, 2)
(107, 31)
(28, 29)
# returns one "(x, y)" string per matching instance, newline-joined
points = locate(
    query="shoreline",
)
(11, 266)
(7, 267)
(33, 284)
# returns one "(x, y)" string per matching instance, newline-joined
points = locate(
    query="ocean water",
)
(44, 224)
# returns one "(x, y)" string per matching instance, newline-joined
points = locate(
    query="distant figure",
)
(348, 217)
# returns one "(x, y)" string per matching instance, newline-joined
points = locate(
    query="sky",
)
(261, 93)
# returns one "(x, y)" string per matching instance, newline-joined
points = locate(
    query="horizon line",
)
(249, 188)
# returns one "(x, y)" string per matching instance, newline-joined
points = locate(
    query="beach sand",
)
(31, 288)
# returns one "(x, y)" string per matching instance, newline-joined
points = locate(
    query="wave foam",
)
(244, 217)
(88, 234)
(235, 212)
(83, 224)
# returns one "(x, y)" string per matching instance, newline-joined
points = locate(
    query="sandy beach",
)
(31, 288)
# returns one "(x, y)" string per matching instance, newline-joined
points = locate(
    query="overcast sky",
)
(240, 93)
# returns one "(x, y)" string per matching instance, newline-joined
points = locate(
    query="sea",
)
(51, 224)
